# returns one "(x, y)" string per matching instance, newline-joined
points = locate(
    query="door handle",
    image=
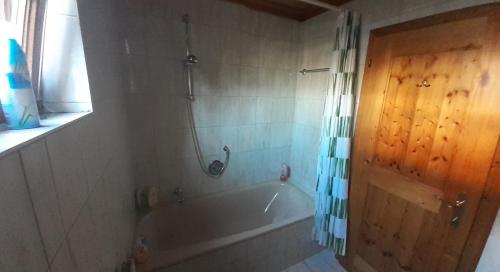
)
(458, 209)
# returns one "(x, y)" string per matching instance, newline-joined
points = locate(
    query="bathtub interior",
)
(172, 225)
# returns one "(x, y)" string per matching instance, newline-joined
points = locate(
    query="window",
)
(50, 35)
(23, 20)
(64, 84)
(49, 31)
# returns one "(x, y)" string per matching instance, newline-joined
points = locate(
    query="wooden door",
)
(425, 138)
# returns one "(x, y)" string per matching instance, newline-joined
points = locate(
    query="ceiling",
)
(292, 9)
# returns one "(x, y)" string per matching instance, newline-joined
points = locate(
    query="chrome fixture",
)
(216, 168)
(179, 194)
(458, 207)
(190, 60)
(306, 71)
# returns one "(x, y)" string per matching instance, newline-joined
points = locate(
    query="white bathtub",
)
(176, 232)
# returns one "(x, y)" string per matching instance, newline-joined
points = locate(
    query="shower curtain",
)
(330, 226)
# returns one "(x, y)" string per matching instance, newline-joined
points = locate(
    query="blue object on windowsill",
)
(16, 92)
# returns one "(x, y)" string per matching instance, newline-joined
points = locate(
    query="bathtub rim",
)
(164, 259)
(167, 258)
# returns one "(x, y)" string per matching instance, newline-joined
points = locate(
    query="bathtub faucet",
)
(179, 194)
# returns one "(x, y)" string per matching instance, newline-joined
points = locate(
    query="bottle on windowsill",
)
(16, 92)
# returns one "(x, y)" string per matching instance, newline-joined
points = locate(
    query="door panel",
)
(426, 134)
(391, 230)
(399, 104)
(419, 128)
(427, 197)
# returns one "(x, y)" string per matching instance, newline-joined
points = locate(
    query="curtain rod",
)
(322, 4)
(305, 71)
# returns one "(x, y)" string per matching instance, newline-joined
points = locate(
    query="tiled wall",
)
(66, 201)
(316, 45)
(244, 86)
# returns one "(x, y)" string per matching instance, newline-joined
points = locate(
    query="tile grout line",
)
(37, 221)
(85, 202)
(64, 237)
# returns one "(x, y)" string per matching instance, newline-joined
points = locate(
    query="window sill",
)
(13, 140)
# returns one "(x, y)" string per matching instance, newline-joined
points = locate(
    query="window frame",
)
(33, 40)
(30, 19)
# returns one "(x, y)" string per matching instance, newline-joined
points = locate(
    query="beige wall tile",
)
(22, 248)
(64, 260)
(42, 189)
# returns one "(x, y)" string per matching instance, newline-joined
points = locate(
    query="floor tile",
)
(300, 267)
(323, 261)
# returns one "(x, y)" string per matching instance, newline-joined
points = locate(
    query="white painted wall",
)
(490, 262)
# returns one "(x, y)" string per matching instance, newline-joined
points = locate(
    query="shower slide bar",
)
(306, 71)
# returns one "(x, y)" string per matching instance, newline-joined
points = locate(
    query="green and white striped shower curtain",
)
(330, 225)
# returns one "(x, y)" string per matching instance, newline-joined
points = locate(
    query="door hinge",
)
(369, 63)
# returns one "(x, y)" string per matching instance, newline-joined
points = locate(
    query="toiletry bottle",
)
(16, 92)
(285, 173)
(141, 254)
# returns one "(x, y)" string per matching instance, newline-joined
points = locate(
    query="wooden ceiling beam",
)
(271, 7)
(335, 2)
(291, 9)
(310, 12)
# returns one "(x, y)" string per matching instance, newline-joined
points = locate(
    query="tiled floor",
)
(321, 262)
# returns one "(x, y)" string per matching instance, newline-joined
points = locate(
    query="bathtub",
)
(265, 227)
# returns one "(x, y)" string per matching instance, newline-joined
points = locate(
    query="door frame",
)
(485, 217)
(490, 198)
